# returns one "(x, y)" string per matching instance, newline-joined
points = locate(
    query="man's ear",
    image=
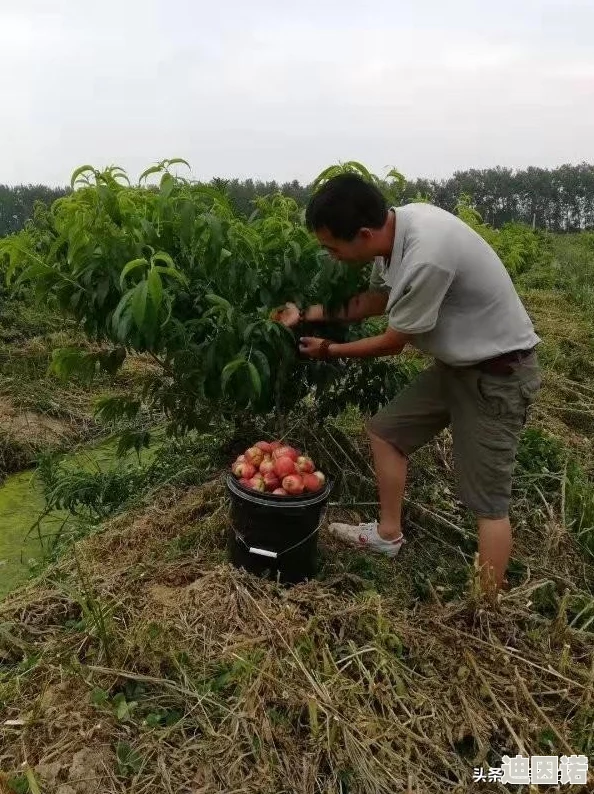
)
(366, 233)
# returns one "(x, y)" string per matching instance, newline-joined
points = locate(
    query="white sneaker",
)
(365, 536)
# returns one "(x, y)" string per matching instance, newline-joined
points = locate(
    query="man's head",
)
(348, 216)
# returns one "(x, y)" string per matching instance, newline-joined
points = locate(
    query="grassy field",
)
(139, 661)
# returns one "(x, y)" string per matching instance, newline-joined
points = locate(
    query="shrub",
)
(172, 271)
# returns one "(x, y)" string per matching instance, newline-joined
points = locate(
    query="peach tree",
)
(169, 270)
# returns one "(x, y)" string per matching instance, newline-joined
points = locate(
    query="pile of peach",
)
(278, 469)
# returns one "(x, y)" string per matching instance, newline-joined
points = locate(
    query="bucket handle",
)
(275, 555)
(262, 552)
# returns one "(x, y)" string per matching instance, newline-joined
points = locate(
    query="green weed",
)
(18, 784)
(95, 614)
(583, 731)
(129, 761)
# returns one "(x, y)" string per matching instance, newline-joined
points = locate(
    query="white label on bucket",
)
(263, 552)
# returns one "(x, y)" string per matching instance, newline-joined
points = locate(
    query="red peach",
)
(244, 470)
(254, 455)
(271, 481)
(281, 452)
(267, 466)
(280, 492)
(311, 483)
(257, 483)
(284, 466)
(265, 446)
(305, 465)
(321, 477)
(293, 484)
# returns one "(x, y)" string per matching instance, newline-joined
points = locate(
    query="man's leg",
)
(412, 419)
(495, 544)
(488, 414)
(390, 470)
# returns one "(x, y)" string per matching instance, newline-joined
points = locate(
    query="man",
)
(445, 292)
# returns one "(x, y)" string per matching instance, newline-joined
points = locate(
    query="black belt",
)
(503, 364)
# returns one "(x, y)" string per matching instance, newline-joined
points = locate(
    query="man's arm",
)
(390, 343)
(366, 304)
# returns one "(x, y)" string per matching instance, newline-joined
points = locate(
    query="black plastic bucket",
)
(275, 536)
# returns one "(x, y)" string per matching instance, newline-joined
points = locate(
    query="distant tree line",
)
(17, 202)
(557, 199)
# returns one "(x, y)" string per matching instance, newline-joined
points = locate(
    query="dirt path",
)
(30, 427)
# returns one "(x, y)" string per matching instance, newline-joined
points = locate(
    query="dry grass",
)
(325, 687)
(40, 413)
(145, 663)
(566, 403)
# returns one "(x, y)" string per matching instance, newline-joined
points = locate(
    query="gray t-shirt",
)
(450, 290)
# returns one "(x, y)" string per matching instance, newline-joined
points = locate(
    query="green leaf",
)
(354, 165)
(119, 173)
(150, 324)
(216, 300)
(130, 266)
(326, 174)
(167, 185)
(162, 256)
(18, 784)
(148, 229)
(276, 281)
(129, 761)
(35, 271)
(154, 169)
(263, 365)
(110, 409)
(172, 717)
(79, 171)
(133, 439)
(296, 249)
(397, 176)
(121, 309)
(273, 328)
(170, 271)
(121, 706)
(31, 780)
(169, 308)
(187, 220)
(255, 379)
(155, 287)
(139, 303)
(230, 369)
(123, 328)
(216, 232)
(103, 290)
(249, 329)
(176, 160)
(98, 696)
(69, 361)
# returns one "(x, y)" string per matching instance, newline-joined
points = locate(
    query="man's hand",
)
(287, 315)
(312, 346)
(390, 343)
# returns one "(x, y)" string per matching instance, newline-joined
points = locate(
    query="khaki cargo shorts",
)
(487, 413)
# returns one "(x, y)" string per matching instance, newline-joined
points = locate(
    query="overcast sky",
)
(272, 89)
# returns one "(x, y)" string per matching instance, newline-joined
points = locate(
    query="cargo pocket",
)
(529, 390)
(500, 396)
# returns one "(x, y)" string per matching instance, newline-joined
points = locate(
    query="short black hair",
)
(345, 204)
